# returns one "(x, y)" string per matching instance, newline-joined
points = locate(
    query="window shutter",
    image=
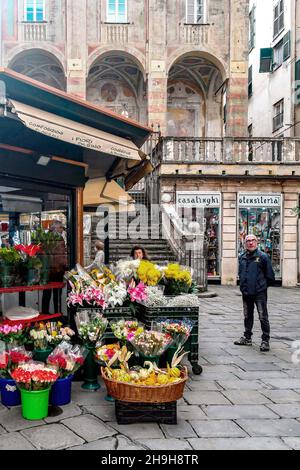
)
(250, 81)
(190, 11)
(297, 84)
(266, 60)
(286, 46)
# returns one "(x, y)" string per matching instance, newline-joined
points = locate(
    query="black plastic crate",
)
(148, 314)
(129, 413)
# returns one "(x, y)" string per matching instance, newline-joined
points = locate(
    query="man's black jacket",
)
(255, 272)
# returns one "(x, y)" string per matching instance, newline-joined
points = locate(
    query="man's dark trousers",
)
(260, 300)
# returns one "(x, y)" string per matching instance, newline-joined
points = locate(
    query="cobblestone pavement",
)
(244, 399)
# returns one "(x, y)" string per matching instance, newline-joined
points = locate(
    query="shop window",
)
(252, 21)
(34, 10)
(116, 11)
(278, 23)
(195, 11)
(278, 113)
(264, 223)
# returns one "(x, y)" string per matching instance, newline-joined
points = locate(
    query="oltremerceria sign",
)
(259, 200)
(197, 199)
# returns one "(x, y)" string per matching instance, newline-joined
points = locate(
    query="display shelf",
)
(40, 318)
(51, 285)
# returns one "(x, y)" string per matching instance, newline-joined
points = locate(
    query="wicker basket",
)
(145, 394)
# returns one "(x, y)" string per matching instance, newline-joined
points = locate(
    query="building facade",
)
(182, 66)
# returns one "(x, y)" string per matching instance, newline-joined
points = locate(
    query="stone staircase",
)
(124, 240)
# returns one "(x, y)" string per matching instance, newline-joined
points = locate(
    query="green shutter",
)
(297, 82)
(286, 46)
(266, 60)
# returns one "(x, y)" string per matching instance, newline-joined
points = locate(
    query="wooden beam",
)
(79, 225)
(53, 157)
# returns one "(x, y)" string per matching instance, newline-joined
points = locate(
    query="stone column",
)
(156, 64)
(229, 268)
(76, 47)
(237, 91)
(289, 238)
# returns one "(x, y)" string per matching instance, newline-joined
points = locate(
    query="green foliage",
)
(9, 256)
(48, 240)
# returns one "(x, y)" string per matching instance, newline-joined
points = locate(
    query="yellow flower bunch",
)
(104, 276)
(175, 272)
(148, 273)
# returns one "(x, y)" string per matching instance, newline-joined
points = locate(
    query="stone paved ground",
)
(244, 399)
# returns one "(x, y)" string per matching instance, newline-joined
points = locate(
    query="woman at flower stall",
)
(139, 252)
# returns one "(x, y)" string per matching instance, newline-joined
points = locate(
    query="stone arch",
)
(40, 65)
(188, 51)
(137, 56)
(13, 53)
(116, 80)
(196, 111)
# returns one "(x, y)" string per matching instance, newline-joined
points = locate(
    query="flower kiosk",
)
(51, 143)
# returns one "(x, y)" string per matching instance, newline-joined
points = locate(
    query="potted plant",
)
(48, 241)
(39, 337)
(34, 381)
(177, 279)
(9, 259)
(31, 262)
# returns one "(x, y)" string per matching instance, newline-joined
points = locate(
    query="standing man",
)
(256, 275)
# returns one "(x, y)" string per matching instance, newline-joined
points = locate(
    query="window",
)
(252, 29)
(117, 11)
(278, 25)
(278, 55)
(250, 88)
(34, 10)
(195, 11)
(272, 58)
(278, 115)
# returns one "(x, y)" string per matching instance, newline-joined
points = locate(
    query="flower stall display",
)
(143, 389)
(16, 334)
(34, 381)
(155, 297)
(106, 352)
(91, 326)
(177, 279)
(180, 330)
(66, 359)
(46, 336)
(151, 344)
(10, 359)
(149, 273)
(184, 300)
(31, 262)
(126, 330)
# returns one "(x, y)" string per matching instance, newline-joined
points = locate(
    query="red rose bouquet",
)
(34, 376)
(67, 359)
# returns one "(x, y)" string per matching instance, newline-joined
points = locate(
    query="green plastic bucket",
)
(35, 404)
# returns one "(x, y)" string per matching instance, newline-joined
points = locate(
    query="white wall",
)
(269, 88)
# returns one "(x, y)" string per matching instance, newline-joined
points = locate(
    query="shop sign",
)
(196, 199)
(259, 200)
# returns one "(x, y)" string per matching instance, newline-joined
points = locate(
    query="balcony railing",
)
(227, 150)
(114, 33)
(194, 33)
(34, 31)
